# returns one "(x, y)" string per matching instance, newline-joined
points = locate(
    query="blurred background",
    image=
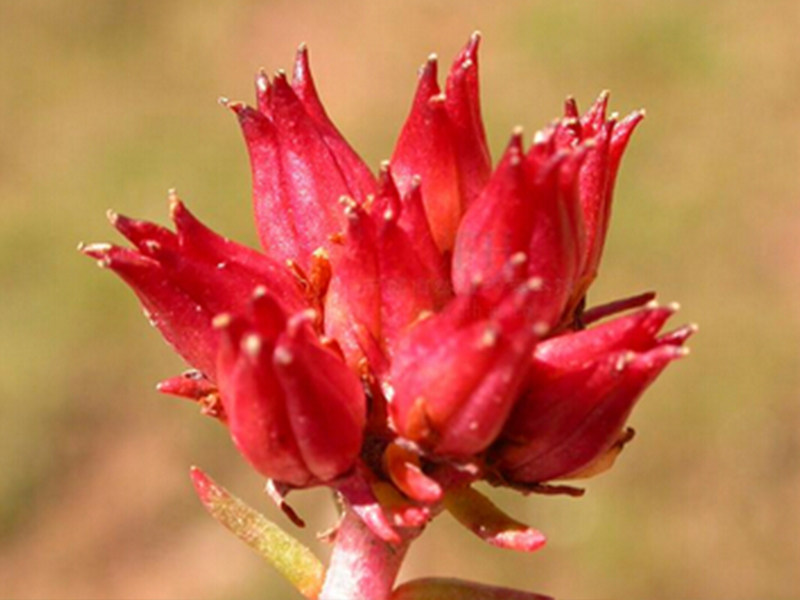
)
(109, 104)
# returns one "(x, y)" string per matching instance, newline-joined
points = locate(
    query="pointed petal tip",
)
(176, 207)
(262, 80)
(240, 109)
(571, 107)
(279, 78)
(282, 356)
(203, 484)
(112, 216)
(524, 540)
(99, 251)
(469, 54)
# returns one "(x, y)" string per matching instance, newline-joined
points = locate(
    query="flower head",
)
(419, 329)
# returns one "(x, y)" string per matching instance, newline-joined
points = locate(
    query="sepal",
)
(478, 514)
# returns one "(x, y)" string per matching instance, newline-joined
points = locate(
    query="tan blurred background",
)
(109, 103)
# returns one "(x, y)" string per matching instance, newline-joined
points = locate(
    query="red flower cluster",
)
(424, 327)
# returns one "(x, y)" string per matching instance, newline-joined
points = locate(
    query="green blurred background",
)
(110, 103)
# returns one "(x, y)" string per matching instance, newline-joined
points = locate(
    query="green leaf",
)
(436, 588)
(291, 558)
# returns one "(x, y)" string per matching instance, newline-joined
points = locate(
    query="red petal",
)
(255, 403)
(325, 404)
(414, 222)
(425, 148)
(143, 234)
(462, 102)
(636, 331)
(296, 180)
(455, 377)
(236, 261)
(184, 323)
(360, 180)
(497, 225)
(352, 305)
(563, 424)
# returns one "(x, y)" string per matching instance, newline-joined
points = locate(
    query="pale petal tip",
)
(252, 344)
(541, 328)
(100, 252)
(490, 336)
(262, 81)
(283, 356)
(203, 484)
(534, 284)
(540, 137)
(221, 321)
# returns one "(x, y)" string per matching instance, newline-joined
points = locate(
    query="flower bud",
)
(184, 278)
(387, 274)
(443, 142)
(456, 375)
(300, 164)
(294, 409)
(579, 393)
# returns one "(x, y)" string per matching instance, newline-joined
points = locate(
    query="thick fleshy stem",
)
(363, 566)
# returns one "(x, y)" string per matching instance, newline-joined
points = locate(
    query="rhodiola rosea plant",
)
(402, 336)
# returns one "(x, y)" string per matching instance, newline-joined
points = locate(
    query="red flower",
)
(423, 327)
(580, 390)
(294, 409)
